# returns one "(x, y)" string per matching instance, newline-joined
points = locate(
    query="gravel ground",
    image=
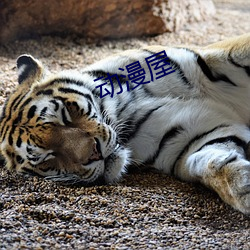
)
(146, 210)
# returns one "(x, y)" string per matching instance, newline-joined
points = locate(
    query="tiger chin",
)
(187, 116)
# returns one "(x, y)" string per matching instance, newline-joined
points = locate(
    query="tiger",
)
(192, 123)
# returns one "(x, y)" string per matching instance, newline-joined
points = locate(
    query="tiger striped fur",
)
(192, 123)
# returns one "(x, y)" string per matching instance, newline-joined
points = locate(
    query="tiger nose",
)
(96, 153)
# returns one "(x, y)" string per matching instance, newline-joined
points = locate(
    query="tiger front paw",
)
(232, 182)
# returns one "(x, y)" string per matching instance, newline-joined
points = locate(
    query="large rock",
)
(97, 19)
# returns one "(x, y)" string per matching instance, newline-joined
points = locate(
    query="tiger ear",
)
(29, 69)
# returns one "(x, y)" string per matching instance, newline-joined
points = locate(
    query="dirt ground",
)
(145, 210)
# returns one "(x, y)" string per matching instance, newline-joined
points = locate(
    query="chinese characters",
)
(158, 65)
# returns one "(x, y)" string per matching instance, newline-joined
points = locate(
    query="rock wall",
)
(97, 19)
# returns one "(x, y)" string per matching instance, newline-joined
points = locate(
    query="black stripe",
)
(19, 118)
(3, 127)
(31, 112)
(70, 91)
(232, 138)
(231, 60)
(45, 92)
(42, 114)
(68, 81)
(207, 71)
(34, 158)
(94, 116)
(195, 139)
(3, 135)
(73, 82)
(4, 123)
(132, 97)
(76, 105)
(10, 109)
(118, 113)
(9, 153)
(13, 128)
(19, 142)
(169, 135)
(89, 98)
(31, 172)
(73, 91)
(232, 160)
(100, 73)
(17, 101)
(139, 123)
(56, 105)
(89, 109)
(26, 103)
(97, 73)
(95, 92)
(209, 74)
(177, 69)
(147, 91)
(2, 161)
(43, 111)
(16, 121)
(19, 159)
(3, 113)
(10, 139)
(29, 149)
(60, 98)
(21, 131)
(122, 106)
(64, 117)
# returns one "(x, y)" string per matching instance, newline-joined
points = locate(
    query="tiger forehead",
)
(29, 108)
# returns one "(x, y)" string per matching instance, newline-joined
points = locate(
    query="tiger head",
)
(52, 126)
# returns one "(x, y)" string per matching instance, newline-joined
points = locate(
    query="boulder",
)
(98, 19)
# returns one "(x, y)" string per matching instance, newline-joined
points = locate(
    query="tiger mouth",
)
(112, 155)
